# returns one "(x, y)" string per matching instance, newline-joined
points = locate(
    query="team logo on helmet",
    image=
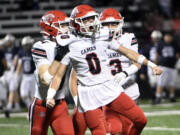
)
(74, 12)
(48, 18)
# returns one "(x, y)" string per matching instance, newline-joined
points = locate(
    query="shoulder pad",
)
(104, 34)
(129, 34)
(66, 39)
(40, 47)
(42, 44)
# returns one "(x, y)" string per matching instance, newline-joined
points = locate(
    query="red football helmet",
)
(79, 14)
(110, 15)
(52, 21)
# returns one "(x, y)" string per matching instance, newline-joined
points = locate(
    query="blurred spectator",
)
(166, 57)
(149, 51)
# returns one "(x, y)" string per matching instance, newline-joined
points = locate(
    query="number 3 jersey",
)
(43, 52)
(118, 62)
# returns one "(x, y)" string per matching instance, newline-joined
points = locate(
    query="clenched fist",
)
(50, 103)
(157, 70)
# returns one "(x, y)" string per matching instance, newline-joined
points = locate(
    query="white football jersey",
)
(89, 60)
(43, 52)
(118, 62)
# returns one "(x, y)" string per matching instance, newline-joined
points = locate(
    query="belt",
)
(43, 102)
(128, 83)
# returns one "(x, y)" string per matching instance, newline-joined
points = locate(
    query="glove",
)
(120, 77)
(61, 51)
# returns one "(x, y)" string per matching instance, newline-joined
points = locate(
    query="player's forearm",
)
(140, 59)
(47, 72)
(73, 83)
(73, 86)
(132, 69)
(56, 81)
(19, 68)
(5, 64)
(53, 67)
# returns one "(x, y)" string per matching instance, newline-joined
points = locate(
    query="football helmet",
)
(156, 34)
(9, 38)
(110, 15)
(83, 13)
(53, 22)
(27, 40)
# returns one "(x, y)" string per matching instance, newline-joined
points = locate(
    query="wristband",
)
(151, 64)
(131, 70)
(51, 93)
(141, 59)
(75, 100)
(47, 77)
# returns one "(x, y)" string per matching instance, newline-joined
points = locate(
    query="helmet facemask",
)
(115, 28)
(88, 25)
(62, 27)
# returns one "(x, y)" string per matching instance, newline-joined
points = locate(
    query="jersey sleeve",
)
(66, 59)
(134, 43)
(39, 54)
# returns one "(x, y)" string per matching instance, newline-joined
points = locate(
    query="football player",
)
(96, 87)
(114, 21)
(27, 67)
(11, 78)
(44, 52)
(118, 63)
(3, 67)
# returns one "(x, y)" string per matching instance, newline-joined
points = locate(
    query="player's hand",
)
(61, 51)
(50, 103)
(119, 77)
(157, 70)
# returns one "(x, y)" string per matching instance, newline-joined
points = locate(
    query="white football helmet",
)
(9, 38)
(79, 14)
(27, 40)
(110, 15)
